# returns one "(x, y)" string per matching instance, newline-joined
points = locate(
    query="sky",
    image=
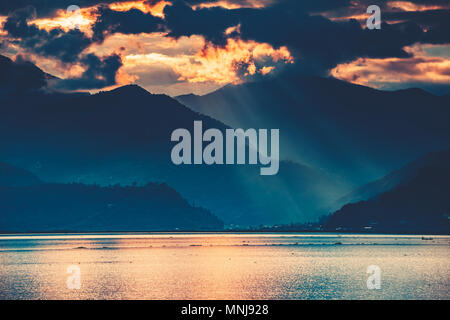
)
(197, 46)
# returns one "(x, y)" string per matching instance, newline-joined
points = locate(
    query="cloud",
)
(132, 21)
(421, 70)
(211, 23)
(317, 43)
(48, 7)
(305, 6)
(228, 64)
(317, 34)
(67, 47)
(435, 22)
(98, 73)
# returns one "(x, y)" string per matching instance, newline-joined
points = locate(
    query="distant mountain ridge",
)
(346, 134)
(394, 179)
(420, 203)
(11, 176)
(123, 136)
(353, 131)
(30, 205)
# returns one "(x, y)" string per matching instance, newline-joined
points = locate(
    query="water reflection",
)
(223, 266)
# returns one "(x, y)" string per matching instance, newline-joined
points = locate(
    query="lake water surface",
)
(223, 266)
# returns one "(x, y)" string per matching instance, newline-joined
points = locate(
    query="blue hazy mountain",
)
(419, 201)
(352, 131)
(11, 176)
(394, 179)
(123, 136)
(28, 204)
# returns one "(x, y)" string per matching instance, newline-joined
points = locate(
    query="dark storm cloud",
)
(438, 34)
(317, 43)
(436, 23)
(65, 46)
(424, 18)
(211, 23)
(130, 22)
(385, 4)
(46, 7)
(99, 73)
(49, 7)
(68, 45)
(313, 6)
(182, 20)
(304, 5)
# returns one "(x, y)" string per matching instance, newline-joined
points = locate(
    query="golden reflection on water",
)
(217, 266)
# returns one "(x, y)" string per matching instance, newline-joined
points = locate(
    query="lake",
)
(223, 266)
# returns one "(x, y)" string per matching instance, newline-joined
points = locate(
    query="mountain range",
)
(394, 179)
(30, 205)
(355, 132)
(414, 199)
(123, 136)
(335, 138)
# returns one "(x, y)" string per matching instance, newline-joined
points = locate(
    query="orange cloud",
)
(381, 72)
(87, 16)
(123, 78)
(83, 19)
(266, 70)
(156, 9)
(2, 21)
(173, 66)
(219, 64)
(213, 64)
(357, 10)
(409, 6)
(234, 29)
(235, 5)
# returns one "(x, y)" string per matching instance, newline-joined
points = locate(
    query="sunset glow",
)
(409, 6)
(64, 20)
(380, 72)
(205, 58)
(358, 10)
(156, 9)
(2, 20)
(238, 152)
(219, 65)
(233, 5)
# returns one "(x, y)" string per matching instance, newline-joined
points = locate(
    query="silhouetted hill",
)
(11, 176)
(420, 204)
(356, 132)
(21, 76)
(393, 179)
(79, 207)
(29, 204)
